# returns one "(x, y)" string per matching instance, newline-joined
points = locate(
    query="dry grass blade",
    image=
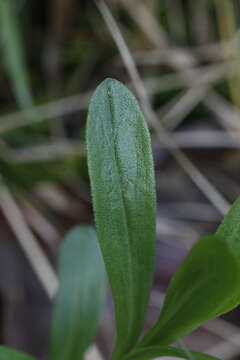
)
(28, 242)
(78, 102)
(207, 139)
(39, 223)
(47, 111)
(146, 21)
(203, 76)
(227, 114)
(44, 152)
(228, 48)
(227, 349)
(181, 106)
(203, 184)
(174, 112)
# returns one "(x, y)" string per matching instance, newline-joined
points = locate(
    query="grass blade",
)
(14, 54)
(123, 189)
(80, 298)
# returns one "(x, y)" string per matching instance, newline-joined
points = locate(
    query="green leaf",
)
(152, 352)
(9, 354)
(229, 230)
(123, 189)
(80, 298)
(205, 286)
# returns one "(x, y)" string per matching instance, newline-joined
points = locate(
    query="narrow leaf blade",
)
(9, 354)
(81, 294)
(205, 286)
(153, 352)
(14, 54)
(123, 189)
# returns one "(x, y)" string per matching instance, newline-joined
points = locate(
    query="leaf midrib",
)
(129, 253)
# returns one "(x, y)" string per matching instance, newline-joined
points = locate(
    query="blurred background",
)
(182, 60)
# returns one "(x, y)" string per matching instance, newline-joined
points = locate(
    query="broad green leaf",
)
(205, 286)
(152, 352)
(123, 189)
(9, 354)
(80, 298)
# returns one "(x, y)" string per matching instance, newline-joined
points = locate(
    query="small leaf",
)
(80, 298)
(9, 354)
(123, 188)
(152, 352)
(205, 286)
(229, 230)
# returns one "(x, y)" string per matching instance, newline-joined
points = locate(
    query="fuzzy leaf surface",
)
(229, 229)
(81, 295)
(123, 190)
